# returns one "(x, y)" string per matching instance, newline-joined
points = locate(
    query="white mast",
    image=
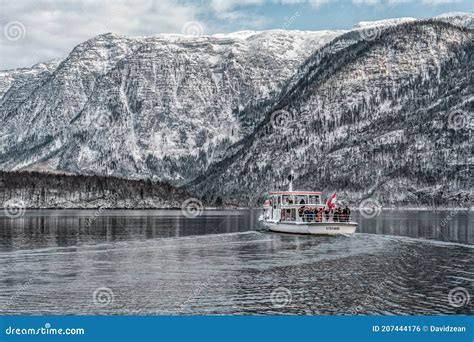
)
(290, 177)
(290, 187)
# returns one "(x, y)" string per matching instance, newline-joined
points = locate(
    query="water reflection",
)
(42, 228)
(443, 225)
(159, 262)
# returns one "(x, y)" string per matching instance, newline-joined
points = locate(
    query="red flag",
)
(331, 202)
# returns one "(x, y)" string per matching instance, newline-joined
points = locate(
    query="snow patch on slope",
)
(385, 22)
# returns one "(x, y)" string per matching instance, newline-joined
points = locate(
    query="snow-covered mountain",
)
(382, 23)
(379, 110)
(16, 79)
(161, 107)
(457, 18)
(386, 116)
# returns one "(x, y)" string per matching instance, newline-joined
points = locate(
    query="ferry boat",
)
(297, 212)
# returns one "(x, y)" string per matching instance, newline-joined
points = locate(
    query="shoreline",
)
(247, 208)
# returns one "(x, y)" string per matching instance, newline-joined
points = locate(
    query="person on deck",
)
(326, 214)
(319, 215)
(335, 216)
(306, 214)
(348, 213)
(342, 215)
(312, 214)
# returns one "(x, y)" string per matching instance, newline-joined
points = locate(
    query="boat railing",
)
(322, 218)
(312, 217)
(310, 213)
(293, 205)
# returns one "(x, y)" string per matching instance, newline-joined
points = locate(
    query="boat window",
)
(287, 199)
(314, 199)
(302, 199)
(288, 215)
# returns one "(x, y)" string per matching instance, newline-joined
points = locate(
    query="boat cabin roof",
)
(294, 193)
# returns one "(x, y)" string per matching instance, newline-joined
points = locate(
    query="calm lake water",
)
(222, 262)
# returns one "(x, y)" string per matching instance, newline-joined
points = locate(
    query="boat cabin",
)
(291, 206)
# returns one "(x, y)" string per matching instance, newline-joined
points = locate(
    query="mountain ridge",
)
(176, 108)
(119, 96)
(213, 176)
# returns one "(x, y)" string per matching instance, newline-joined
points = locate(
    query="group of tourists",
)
(325, 214)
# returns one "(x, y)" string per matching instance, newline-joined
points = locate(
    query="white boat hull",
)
(314, 228)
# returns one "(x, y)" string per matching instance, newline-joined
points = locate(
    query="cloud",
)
(399, 2)
(239, 12)
(52, 28)
(33, 31)
(440, 2)
(314, 3)
(222, 7)
(319, 3)
(365, 2)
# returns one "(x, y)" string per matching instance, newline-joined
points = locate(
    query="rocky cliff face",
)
(382, 111)
(163, 107)
(386, 116)
(23, 80)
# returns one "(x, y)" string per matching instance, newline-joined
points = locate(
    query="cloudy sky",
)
(37, 30)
